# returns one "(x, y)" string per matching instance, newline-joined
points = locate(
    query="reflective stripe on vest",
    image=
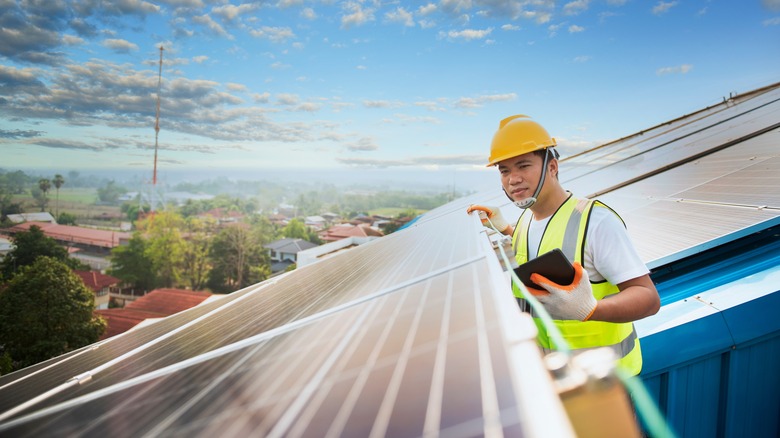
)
(566, 230)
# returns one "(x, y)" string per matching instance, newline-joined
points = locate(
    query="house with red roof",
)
(343, 231)
(91, 246)
(101, 284)
(158, 303)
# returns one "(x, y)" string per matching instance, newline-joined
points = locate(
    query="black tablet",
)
(553, 265)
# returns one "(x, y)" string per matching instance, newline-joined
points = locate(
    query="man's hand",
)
(570, 302)
(489, 214)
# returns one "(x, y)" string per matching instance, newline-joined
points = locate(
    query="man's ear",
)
(552, 167)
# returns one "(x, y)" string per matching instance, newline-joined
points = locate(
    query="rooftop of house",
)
(31, 217)
(96, 280)
(158, 303)
(74, 234)
(342, 231)
(290, 246)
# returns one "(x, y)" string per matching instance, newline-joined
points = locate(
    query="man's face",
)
(520, 175)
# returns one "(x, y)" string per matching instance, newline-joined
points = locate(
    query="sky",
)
(304, 86)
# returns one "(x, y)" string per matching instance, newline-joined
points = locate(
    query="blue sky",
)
(356, 85)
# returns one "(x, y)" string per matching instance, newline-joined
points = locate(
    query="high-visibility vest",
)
(566, 230)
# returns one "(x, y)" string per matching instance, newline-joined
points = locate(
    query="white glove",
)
(493, 214)
(569, 302)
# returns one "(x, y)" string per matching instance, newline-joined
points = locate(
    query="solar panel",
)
(415, 333)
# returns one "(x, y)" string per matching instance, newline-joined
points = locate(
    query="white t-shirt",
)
(609, 252)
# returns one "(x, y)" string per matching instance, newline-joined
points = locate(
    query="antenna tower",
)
(153, 197)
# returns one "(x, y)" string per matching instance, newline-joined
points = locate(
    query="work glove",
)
(570, 302)
(490, 212)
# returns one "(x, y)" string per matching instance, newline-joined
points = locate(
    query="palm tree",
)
(59, 181)
(44, 184)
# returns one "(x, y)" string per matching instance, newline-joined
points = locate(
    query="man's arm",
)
(637, 299)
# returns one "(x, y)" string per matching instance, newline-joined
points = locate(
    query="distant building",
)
(32, 217)
(6, 246)
(315, 222)
(284, 252)
(223, 216)
(89, 245)
(343, 231)
(103, 285)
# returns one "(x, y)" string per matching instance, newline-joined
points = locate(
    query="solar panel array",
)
(413, 334)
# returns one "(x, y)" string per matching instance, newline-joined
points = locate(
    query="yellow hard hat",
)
(518, 135)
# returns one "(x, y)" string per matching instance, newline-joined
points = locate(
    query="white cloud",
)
(207, 22)
(681, 69)
(364, 144)
(120, 46)
(381, 104)
(479, 101)
(510, 27)
(771, 22)
(309, 14)
(261, 98)
(575, 7)
(72, 40)
(274, 34)
(662, 7)
(200, 59)
(401, 16)
(468, 34)
(426, 9)
(356, 15)
(581, 59)
(230, 12)
(287, 99)
(236, 87)
(308, 107)
(576, 29)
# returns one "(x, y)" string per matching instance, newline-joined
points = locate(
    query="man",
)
(612, 286)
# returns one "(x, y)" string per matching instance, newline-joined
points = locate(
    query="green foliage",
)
(195, 261)
(132, 210)
(45, 311)
(237, 257)
(130, 264)
(15, 182)
(110, 193)
(166, 246)
(58, 181)
(28, 246)
(6, 363)
(295, 229)
(66, 219)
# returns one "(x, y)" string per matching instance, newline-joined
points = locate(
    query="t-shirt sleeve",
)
(610, 251)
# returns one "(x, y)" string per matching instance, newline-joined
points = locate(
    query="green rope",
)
(552, 330)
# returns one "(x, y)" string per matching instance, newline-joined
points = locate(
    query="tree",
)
(237, 259)
(66, 219)
(44, 185)
(130, 264)
(58, 182)
(45, 311)
(295, 229)
(166, 246)
(195, 261)
(110, 193)
(28, 246)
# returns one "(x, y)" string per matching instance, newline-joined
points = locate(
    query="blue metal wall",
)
(714, 366)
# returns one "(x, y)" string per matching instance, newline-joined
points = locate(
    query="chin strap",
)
(527, 202)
